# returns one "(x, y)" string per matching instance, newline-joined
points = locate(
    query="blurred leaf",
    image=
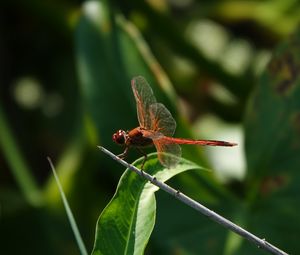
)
(102, 76)
(160, 24)
(108, 57)
(69, 212)
(272, 121)
(125, 225)
(277, 18)
(17, 163)
(67, 167)
(273, 147)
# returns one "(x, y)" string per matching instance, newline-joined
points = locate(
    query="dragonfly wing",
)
(154, 135)
(168, 153)
(162, 120)
(144, 99)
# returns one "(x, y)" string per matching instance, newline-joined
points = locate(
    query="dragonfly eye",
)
(119, 137)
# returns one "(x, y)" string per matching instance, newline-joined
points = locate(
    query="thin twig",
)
(261, 243)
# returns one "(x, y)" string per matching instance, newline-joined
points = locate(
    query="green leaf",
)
(273, 148)
(104, 83)
(71, 219)
(125, 225)
(273, 120)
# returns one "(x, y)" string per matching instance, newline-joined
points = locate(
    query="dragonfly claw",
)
(124, 154)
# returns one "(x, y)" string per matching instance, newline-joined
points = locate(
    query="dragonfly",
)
(156, 127)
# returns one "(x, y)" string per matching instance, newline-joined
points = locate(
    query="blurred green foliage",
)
(65, 88)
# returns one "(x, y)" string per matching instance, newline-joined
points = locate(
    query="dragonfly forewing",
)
(144, 98)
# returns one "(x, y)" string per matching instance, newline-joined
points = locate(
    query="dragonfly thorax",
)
(119, 137)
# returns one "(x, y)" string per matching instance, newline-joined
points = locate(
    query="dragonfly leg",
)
(145, 158)
(124, 153)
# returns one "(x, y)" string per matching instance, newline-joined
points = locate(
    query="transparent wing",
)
(144, 99)
(161, 119)
(168, 153)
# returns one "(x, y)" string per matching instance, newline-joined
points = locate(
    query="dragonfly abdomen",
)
(197, 142)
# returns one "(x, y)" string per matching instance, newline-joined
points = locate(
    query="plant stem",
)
(261, 243)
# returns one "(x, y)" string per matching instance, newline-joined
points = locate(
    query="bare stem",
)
(261, 243)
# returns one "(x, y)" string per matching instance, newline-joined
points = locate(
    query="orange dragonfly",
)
(157, 127)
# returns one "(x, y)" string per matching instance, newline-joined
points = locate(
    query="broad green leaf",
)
(273, 148)
(125, 225)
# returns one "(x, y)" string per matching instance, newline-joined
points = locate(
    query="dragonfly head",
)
(119, 137)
